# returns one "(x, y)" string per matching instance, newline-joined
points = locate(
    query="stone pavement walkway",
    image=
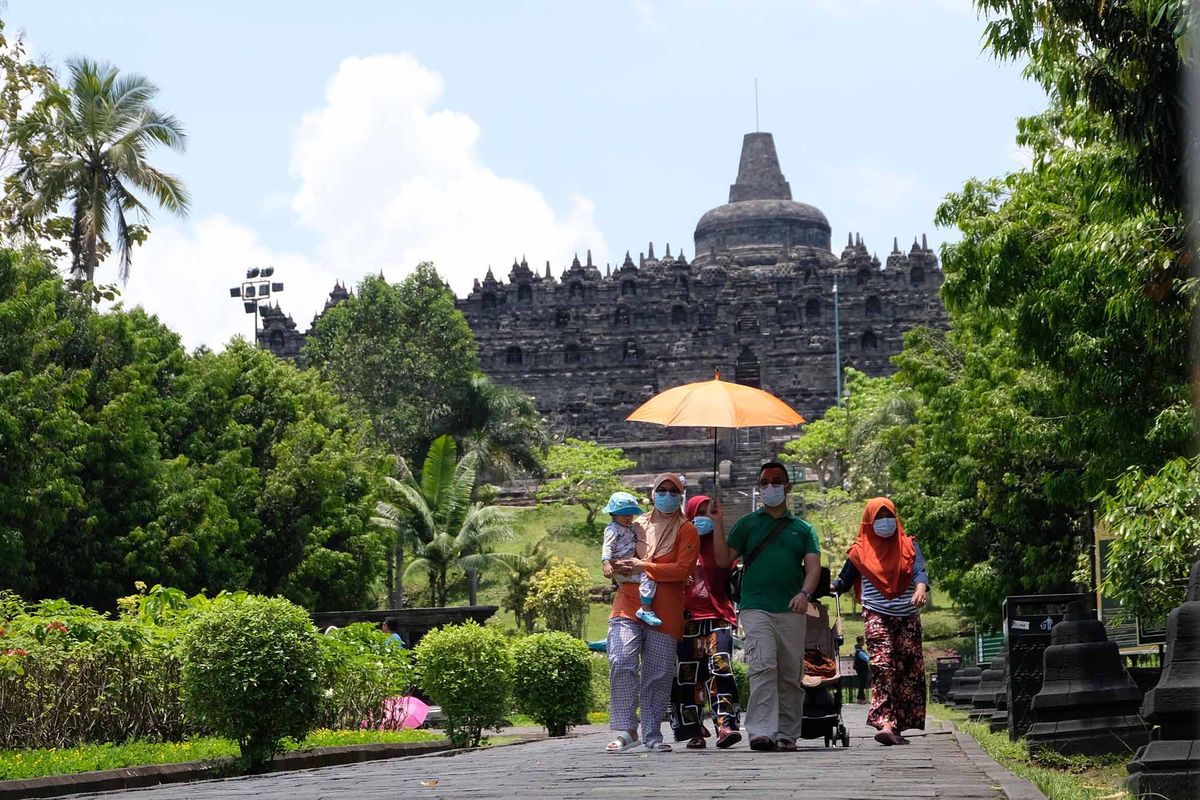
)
(936, 764)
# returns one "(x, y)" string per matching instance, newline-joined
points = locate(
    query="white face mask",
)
(773, 496)
(885, 527)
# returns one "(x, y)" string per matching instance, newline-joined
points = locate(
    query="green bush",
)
(741, 675)
(552, 680)
(600, 685)
(252, 672)
(363, 668)
(69, 675)
(467, 670)
(559, 595)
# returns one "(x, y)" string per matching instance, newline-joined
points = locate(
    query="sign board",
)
(988, 646)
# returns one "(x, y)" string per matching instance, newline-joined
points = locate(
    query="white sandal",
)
(658, 747)
(622, 744)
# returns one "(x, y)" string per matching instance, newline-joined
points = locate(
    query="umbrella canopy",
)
(403, 712)
(716, 404)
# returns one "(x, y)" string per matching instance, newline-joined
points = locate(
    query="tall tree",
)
(448, 529)
(1123, 59)
(126, 459)
(401, 353)
(88, 144)
(502, 425)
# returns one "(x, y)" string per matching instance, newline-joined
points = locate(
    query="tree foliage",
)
(400, 353)
(1156, 521)
(584, 473)
(1122, 59)
(87, 144)
(126, 459)
(446, 526)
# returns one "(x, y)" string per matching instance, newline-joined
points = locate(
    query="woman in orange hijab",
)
(887, 571)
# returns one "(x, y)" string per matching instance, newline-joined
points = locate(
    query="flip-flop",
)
(658, 747)
(622, 744)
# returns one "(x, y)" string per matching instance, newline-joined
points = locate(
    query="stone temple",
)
(755, 303)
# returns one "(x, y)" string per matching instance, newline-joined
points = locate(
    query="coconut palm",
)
(447, 529)
(87, 144)
(502, 425)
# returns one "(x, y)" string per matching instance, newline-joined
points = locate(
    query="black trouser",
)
(704, 672)
(863, 681)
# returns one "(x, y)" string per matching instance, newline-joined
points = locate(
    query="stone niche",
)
(1088, 704)
(1168, 767)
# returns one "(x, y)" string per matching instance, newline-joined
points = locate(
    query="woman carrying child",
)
(641, 657)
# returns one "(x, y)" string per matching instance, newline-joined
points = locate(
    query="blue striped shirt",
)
(873, 599)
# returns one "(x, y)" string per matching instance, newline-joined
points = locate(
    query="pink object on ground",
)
(404, 712)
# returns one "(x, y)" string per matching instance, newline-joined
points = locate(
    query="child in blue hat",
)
(620, 541)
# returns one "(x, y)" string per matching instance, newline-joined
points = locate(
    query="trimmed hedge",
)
(552, 680)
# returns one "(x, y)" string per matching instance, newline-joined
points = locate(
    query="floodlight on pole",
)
(257, 286)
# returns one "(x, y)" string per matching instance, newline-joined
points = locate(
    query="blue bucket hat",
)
(621, 503)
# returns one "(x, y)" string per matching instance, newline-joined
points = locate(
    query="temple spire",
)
(759, 176)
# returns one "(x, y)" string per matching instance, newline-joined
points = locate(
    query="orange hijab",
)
(888, 563)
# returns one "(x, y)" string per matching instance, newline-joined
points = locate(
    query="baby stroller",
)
(822, 690)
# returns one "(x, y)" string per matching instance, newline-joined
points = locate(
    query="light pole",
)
(257, 287)
(837, 342)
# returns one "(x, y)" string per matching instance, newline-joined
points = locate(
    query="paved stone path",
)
(936, 764)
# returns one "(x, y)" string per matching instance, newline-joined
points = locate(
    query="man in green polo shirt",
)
(775, 592)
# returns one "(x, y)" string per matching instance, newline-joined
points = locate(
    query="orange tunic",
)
(671, 571)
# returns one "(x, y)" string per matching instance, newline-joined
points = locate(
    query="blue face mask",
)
(667, 503)
(884, 527)
(704, 525)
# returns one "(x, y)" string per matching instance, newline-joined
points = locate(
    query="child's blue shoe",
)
(649, 617)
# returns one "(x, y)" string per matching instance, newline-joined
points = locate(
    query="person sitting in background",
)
(391, 626)
(862, 669)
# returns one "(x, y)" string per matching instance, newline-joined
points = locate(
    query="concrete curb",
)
(1014, 787)
(156, 774)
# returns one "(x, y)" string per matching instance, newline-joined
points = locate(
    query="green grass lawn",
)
(25, 764)
(1058, 777)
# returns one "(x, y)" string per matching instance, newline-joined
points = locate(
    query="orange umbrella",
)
(716, 404)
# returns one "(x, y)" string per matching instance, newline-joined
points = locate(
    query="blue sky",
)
(337, 139)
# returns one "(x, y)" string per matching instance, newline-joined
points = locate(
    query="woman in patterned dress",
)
(887, 570)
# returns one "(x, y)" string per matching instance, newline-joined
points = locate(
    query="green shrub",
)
(559, 595)
(600, 685)
(552, 680)
(741, 675)
(252, 672)
(467, 670)
(69, 675)
(363, 668)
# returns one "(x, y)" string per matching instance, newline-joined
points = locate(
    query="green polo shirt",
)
(777, 574)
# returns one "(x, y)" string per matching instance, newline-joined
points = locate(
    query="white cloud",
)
(184, 273)
(386, 179)
(646, 16)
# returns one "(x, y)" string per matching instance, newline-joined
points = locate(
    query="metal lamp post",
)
(837, 342)
(257, 287)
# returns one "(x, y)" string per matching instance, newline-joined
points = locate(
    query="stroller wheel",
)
(845, 738)
(828, 740)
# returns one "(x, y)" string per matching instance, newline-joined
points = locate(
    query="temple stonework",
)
(756, 303)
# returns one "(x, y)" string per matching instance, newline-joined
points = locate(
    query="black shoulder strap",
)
(780, 524)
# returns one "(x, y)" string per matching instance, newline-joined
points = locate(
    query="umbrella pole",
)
(716, 485)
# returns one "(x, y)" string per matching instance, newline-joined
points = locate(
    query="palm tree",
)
(502, 425)
(87, 144)
(447, 528)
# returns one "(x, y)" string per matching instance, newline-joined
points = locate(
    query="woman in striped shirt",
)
(887, 570)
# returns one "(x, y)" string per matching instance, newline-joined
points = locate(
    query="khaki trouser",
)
(775, 660)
